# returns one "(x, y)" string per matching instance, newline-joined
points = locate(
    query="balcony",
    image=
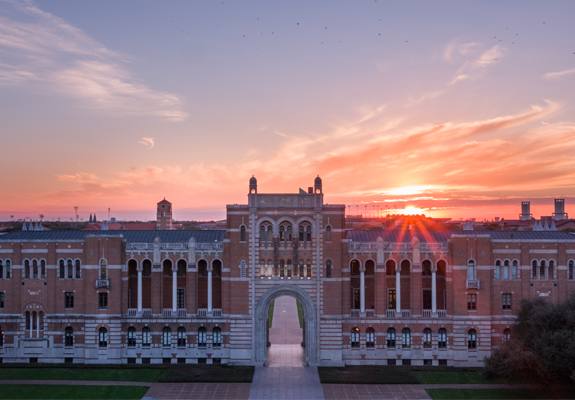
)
(426, 313)
(405, 313)
(147, 312)
(370, 313)
(132, 312)
(472, 284)
(203, 312)
(390, 314)
(354, 313)
(438, 314)
(103, 283)
(442, 313)
(182, 312)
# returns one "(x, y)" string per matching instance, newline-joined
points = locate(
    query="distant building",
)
(164, 215)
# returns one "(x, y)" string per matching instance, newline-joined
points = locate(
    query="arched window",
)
(571, 270)
(354, 267)
(166, 337)
(289, 232)
(1, 270)
(69, 336)
(202, 337)
(506, 269)
(391, 338)
(498, 269)
(506, 334)
(472, 339)
(61, 269)
(282, 268)
(514, 268)
(442, 338)
(217, 267)
(26, 269)
(182, 266)
(308, 234)
(262, 268)
(35, 269)
(103, 337)
(301, 230)
(70, 270)
(309, 271)
(301, 268)
(78, 269)
(27, 317)
(328, 233)
(370, 338)
(270, 268)
(551, 274)
(390, 267)
(328, 269)
(534, 269)
(8, 265)
(146, 268)
(217, 337)
(471, 270)
(289, 268)
(542, 268)
(406, 338)
(103, 269)
(242, 233)
(146, 337)
(181, 336)
(427, 338)
(263, 234)
(131, 336)
(355, 337)
(426, 268)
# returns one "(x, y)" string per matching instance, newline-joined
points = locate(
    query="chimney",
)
(560, 210)
(525, 211)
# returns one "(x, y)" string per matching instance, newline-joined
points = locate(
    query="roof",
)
(128, 226)
(202, 236)
(164, 201)
(432, 236)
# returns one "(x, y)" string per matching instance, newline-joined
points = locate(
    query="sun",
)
(411, 210)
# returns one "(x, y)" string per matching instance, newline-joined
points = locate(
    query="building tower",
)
(164, 215)
(525, 211)
(560, 210)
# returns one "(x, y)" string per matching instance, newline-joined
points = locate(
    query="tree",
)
(542, 344)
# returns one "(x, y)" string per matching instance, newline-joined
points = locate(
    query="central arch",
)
(261, 320)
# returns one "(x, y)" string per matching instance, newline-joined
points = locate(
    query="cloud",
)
(455, 50)
(147, 142)
(40, 48)
(555, 75)
(475, 68)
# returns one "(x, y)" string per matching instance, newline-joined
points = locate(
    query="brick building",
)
(421, 297)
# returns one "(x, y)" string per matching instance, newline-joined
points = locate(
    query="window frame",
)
(354, 340)
(370, 338)
(406, 338)
(506, 301)
(69, 300)
(182, 336)
(102, 337)
(146, 336)
(102, 300)
(69, 337)
(471, 301)
(131, 342)
(472, 339)
(426, 338)
(167, 336)
(217, 337)
(442, 338)
(202, 337)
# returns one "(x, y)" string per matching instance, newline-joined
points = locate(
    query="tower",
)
(525, 211)
(164, 215)
(560, 210)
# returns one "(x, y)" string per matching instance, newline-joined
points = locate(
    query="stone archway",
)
(261, 316)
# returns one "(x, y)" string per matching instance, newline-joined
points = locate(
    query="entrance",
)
(285, 327)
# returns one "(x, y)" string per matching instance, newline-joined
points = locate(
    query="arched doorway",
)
(261, 322)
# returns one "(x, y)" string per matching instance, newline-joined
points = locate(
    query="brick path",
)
(285, 324)
(351, 391)
(170, 391)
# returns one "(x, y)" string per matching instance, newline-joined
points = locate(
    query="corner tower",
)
(164, 215)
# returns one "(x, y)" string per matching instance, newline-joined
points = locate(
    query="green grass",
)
(208, 373)
(83, 374)
(451, 377)
(439, 394)
(367, 374)
(71, 392)
(271, 313)
(300, 313)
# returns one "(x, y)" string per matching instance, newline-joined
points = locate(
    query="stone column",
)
(398, 290)
(139, 289)
(210, 289)
(175, 288)
(433, 292)
(31, 325)
(38, 325)
(362, 290)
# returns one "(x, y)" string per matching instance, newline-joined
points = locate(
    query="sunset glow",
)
(454, 109)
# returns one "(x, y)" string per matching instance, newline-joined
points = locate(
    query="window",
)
(263, 234)
(472, 339)
(506, 334)
(534, 269)
(282, 268)
(8, 271)
(131, 336)
(69, 270)
(146, 268)
(289, 268)
(427, 338)
(506, 301)
(166, 337)
(442, 338)
(471, 270)
(391, 305)
(270, 268)
(514, 268)
(391, 361)
(301, 230)
(181, 336)
(498, 269)
(355, 337)
(308, 233)
(308, 271)
(202, 337)
(542, 267)
(328, 233)
(26, 269)
(103, 337)
(242, 233)
(406, 338)
(69, 337)
(242, 269)
(551, 274)
(471, 302)
(181, 299)
(1, 270)
(146, 337)
(262, 268)
(78, 269)
(182, 265)
(217, 337)
(506, 269)
(301, 268)
(370, 338)
(103, 269)
(103, 301)
(571, 270)
(328, 269)
(1, 299)
(69, 299)
(428, 363)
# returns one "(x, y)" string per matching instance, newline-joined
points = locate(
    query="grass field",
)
(439, 394)
(451, 377)
(208, 373)
(83, 374)
(71, 392)
(367, 374)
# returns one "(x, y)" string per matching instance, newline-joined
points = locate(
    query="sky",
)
(453, 108)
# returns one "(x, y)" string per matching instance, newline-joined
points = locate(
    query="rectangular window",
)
(471, 302)
(2, 300)
(506, 301)
(391, 361)
(442, 362)
(391, 302)
(181, 298)
(103, 301)
(69, 299)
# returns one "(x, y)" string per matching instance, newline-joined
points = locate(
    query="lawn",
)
(451, 377)
(71, 392)
(367, 374)
(208, 373)
(438, 394)
(83, 374)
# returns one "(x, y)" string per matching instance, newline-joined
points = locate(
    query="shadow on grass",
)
(208, 373)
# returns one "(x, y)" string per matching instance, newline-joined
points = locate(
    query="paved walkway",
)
(285, 324)
(200, 391)
(351, 391)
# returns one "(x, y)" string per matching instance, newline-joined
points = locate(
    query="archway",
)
(261, 321)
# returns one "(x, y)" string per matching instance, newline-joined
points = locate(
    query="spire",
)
(546, 227)
(553, 227)
(95, 220)
(24, 226)
(90, 218)
(104, 226)
(40, 227)
(31, 227)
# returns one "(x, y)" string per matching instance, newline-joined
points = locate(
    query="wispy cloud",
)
(455, 50)
(555, 75)
(475, 68)
(41, 48)
(148, 142)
